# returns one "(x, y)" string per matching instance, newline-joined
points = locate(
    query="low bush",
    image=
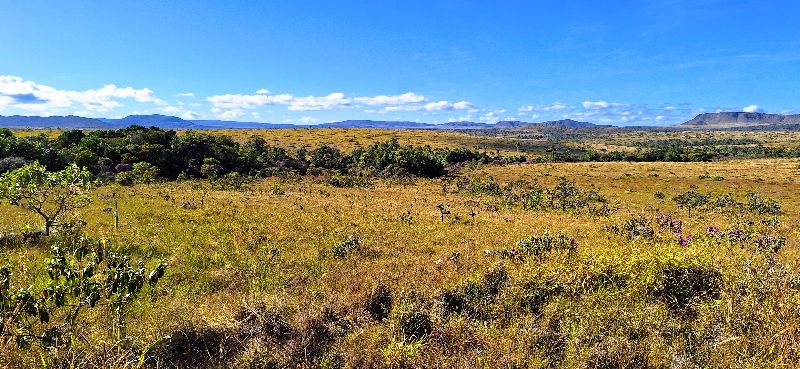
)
(379, 302)
(474, 298)
(412, 321)
(540, 244)
(683, 284)
(347, 246)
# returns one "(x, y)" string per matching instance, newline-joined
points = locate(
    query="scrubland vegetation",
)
(205, 251)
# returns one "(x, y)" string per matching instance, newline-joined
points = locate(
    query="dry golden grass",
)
(349, 139)
(271, 244)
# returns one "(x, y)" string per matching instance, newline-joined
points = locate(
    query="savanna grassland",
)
(531, 265)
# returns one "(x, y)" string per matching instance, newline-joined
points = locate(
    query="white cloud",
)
(438, 105)
(308, 120)
(466, 118)
(591, 105)
(171, 109)
(446, 105)
(231, 114)
(262, 91)
(752, 109)
(556, 106)
(21, 94)
(404, 108)
(236, 101)
(190, 115)
(230, 104)
(442, 105)
(463, 105)
(406, 98)
(336, 100)
(185, 94)
(492, 116)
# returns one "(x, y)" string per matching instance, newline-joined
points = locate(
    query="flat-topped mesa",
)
(740, 119)
(568, 123)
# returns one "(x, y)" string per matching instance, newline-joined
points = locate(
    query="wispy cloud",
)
(406, 98)
(556, 106)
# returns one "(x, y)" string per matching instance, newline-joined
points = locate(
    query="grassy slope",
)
(271, 244)
(222, 258)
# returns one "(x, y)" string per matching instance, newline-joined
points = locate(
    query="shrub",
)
(190, 346)
(82, 274)
(709, 177)
(633, 228)
(345, 247)
(670, 223)
(539, 244)
(474, 298)
(211, 168)
(328, 157)
(536, 293)
(379, 302)
(412, 321)
(691, 199)
(261, 322)
(391, 159)
(232, 181)
(477, 186)
(683, 284)
(10, 163)
(462, 154)
(564, 196)
(761, 205)
(140, 173)
(770, 243)
(567, 196)
(533, 198)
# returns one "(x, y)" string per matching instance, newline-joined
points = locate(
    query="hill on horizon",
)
(739, 119)
(172, 122)
(721, 120)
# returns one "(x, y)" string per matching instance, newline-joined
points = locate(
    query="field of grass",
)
(348, 139)
(505, 142)
(265, 275)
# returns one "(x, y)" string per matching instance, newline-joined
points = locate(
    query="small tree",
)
(211, 168)
(141, 173)
(81, 274)
(443, 210)
(51, 195)
(327, 157)
(691, 199)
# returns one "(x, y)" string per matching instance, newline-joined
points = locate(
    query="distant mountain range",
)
(740, 119)
(170, 122)
(725, 120)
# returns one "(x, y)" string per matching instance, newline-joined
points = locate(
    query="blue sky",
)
(618, 62)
